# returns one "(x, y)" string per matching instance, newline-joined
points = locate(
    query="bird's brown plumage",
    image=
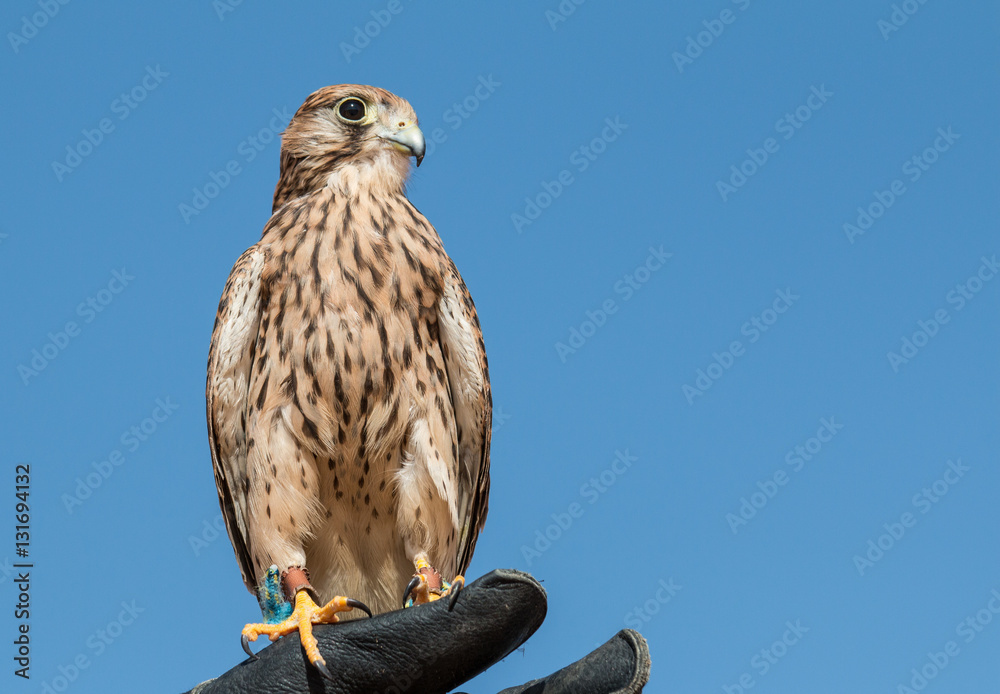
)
(348, 392)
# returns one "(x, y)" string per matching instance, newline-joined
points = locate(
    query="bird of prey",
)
(349, 405)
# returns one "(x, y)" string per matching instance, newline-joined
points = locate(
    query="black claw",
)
(358, 605)
(410, 587)
(323, 669)
(246, 647)
(456, 588)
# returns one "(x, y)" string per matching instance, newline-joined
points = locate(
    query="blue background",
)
(145, 534)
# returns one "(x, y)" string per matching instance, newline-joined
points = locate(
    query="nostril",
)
(401, 123)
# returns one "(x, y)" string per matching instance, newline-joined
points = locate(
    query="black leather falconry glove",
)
(429, 650)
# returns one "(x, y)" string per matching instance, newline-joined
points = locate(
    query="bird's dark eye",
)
(352, 109)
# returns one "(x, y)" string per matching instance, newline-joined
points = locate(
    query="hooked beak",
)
(408, 140)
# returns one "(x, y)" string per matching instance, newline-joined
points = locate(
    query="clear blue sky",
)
(630, 190)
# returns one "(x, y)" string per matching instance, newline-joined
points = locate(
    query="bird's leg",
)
(296, 586)
(427, 585)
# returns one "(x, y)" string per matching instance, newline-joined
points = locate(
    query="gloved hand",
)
(429, 650)
(621, 666)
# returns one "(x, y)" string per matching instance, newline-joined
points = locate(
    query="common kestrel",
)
(349, 405)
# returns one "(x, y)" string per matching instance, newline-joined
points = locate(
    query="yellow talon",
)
(419, 590)
(305, 614)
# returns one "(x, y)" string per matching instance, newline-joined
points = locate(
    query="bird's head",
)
(349, 135)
